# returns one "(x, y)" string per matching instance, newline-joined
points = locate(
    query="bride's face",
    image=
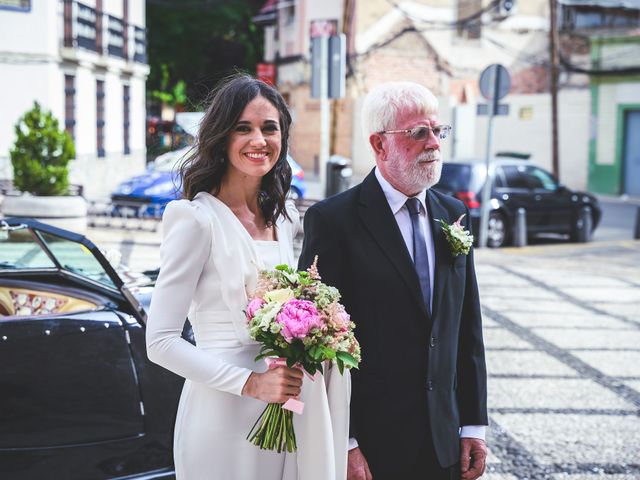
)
(255, 141)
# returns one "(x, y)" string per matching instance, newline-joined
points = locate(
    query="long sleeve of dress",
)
(186, 245)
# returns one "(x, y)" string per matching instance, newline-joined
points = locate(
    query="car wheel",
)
(497, 234)
(582, 229)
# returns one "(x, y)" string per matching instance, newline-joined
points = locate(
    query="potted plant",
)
(40, 157)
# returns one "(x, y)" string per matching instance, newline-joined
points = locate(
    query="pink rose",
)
(254, 305)
(298, 318)
(342, 321)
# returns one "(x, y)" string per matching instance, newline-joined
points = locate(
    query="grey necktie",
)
(420, 258)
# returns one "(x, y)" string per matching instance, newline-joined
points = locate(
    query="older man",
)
(418, 405)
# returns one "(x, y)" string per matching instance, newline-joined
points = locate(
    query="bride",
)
(233, 222)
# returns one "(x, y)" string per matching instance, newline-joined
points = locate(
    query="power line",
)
(461, 22)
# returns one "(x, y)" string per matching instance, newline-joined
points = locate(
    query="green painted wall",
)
(607, 179)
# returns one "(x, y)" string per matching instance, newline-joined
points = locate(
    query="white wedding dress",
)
(209, 263)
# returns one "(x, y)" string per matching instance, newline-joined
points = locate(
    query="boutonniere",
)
(459, 239)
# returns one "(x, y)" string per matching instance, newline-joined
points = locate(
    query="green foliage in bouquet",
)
(41, 154)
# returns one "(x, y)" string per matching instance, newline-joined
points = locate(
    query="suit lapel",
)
(378, 219)
(442, 252)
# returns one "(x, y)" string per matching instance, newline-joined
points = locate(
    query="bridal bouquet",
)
(300, 323)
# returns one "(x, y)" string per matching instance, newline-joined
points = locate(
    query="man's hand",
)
(473, 455)
(357, 466)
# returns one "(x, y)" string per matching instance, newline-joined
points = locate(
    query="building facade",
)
(445, 45)
(86, 62)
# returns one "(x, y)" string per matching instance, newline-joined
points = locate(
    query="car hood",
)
(138, 185)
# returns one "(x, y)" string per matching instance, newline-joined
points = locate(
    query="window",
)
(140, 45)
(116, 36)
(126, 117)
(541, 179)
(86, 27)
(514, 176)
(581, 17)
(100, 117)
(528, 177)
(70, 105)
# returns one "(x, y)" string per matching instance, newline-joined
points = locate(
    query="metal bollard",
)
(636, 235)
(520, 229)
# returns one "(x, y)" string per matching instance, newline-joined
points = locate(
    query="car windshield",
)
(20, 250)
(77, 258)
(169, 162)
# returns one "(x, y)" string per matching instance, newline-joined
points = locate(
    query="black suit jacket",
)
(421, 378)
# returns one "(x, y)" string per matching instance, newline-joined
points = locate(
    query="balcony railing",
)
(90, 29)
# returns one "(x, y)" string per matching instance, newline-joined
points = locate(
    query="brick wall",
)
(305, 132)
(406, 58)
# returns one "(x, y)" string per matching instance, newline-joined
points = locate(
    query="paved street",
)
(562, 329)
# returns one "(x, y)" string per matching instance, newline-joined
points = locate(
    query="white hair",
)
(382, 105)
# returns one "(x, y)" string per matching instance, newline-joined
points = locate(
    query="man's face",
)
(407, 164)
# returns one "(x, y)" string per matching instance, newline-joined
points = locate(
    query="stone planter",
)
(68, 212)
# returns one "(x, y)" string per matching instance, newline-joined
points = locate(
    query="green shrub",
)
(40, 154)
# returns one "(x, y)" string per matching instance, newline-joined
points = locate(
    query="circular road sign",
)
(495, 82)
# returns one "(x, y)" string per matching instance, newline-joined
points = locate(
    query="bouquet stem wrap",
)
(276, 422)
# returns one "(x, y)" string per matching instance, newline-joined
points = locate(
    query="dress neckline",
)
(238, 220)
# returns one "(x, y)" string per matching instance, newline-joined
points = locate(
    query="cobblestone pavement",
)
(562, 331)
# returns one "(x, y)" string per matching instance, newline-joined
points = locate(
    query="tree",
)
(198, 42)
(41, 153)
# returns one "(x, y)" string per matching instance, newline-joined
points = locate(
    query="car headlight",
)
(124, 189)
(163, 188)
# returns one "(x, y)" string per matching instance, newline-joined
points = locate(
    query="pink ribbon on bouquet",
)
(293, 404)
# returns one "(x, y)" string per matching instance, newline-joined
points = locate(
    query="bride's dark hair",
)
(207, 163)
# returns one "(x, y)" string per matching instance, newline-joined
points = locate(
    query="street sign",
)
(323, 28)
(337, 65)
(318, 44)
(266, 72)
(495, 83)
(495, 78)
(483, 109)
(335, 46)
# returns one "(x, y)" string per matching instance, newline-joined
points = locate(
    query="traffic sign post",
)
(495, 83)
(328, 64)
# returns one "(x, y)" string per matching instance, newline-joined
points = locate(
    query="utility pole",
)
(553, 44)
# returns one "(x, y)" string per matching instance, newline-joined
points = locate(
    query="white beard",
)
(417, 175)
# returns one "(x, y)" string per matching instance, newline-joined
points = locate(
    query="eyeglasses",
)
(421, 132)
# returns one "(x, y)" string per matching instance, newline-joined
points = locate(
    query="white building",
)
(86, 62)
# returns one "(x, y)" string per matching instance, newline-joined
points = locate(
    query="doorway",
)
(631, 152)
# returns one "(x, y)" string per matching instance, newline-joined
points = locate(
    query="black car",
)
(79, 398)
(550, 206)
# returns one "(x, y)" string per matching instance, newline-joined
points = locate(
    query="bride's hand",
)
(276, 385)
